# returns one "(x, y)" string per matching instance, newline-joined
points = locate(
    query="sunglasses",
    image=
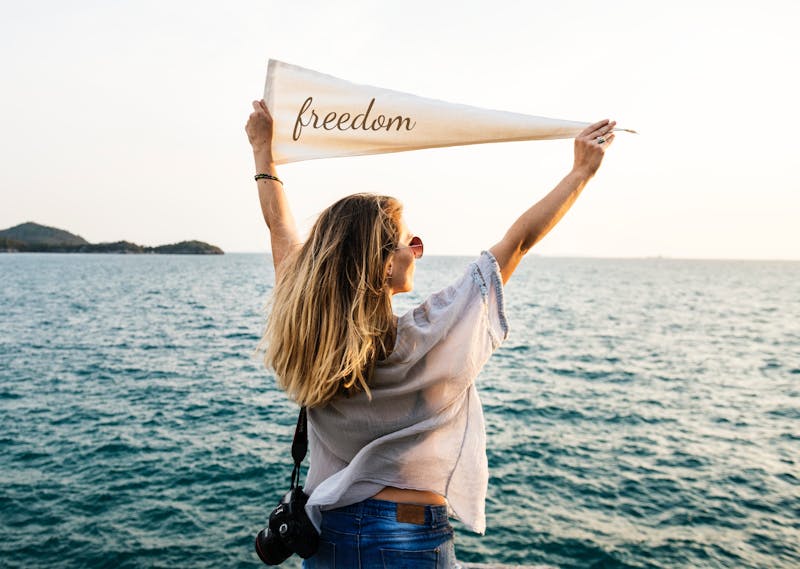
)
(415, 245)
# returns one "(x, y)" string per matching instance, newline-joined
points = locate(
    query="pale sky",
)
(125, 119)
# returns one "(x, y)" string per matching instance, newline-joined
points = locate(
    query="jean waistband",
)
(434, 515)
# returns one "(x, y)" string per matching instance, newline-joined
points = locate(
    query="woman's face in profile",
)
(401, 265)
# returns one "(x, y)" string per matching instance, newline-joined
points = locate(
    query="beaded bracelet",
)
(268, 177)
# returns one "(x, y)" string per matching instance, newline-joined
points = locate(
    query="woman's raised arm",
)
(534, 224)
(274, 205)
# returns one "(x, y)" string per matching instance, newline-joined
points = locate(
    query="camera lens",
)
(270, 548)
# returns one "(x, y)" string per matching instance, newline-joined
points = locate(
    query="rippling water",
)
(643, 413)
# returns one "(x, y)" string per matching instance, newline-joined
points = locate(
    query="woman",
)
(395, 424)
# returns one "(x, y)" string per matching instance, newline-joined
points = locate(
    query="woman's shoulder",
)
(448, 306)
(477, 277)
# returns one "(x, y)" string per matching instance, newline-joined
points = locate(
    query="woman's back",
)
(422, 426)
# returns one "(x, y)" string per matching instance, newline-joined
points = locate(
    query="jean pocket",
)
(407, 559)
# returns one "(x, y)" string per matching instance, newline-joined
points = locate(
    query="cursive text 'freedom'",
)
(334, 121)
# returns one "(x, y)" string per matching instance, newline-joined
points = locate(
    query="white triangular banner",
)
(320, 116)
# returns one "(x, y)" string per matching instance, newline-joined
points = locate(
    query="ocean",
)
(642, 413)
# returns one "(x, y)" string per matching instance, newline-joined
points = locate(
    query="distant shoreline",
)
(32, 237)
(119, 248)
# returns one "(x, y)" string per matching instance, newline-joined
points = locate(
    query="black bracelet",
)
(268, 177)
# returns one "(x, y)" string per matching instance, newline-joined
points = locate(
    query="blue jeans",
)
(375, 534)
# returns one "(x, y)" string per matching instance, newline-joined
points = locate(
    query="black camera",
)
(289, 530)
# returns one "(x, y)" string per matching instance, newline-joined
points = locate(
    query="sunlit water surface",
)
(642, 413)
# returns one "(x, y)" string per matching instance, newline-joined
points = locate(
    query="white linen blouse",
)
(423, 428)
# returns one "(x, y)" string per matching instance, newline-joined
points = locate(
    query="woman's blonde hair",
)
(331, 317)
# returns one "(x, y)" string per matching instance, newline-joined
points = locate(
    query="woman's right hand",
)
(589, 150)
(259, 129)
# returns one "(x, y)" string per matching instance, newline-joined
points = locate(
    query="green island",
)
(35, 238)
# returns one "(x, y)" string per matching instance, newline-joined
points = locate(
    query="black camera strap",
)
(289, 529)
(299, 446)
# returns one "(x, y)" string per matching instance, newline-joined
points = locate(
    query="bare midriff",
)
(405, 496)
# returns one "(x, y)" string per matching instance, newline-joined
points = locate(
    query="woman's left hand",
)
(590, 147)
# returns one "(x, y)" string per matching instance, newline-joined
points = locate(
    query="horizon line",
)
(574, 256)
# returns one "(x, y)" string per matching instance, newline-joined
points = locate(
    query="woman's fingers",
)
(607, 140)
(260, 117)
(601, 134)
(261, 107)
(605, 128)
(593, 127)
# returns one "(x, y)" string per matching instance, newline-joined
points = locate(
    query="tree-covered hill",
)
(31, 232)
